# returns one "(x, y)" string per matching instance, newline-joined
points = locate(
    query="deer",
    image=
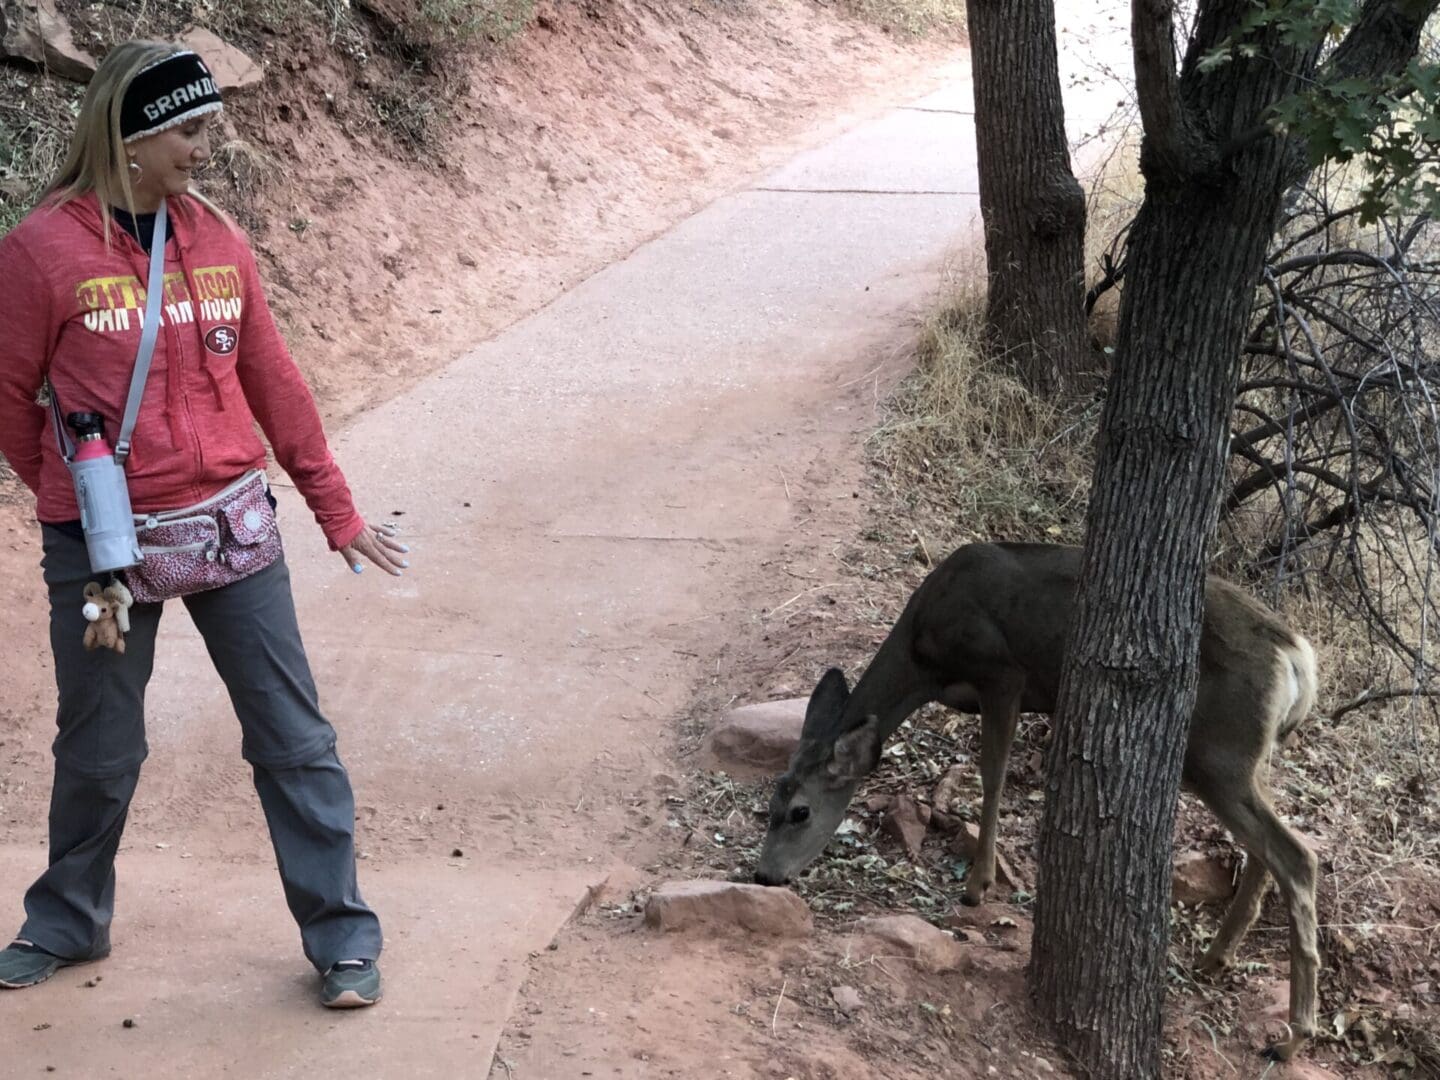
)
(985, 633)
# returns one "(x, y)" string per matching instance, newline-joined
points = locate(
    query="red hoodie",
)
(72, 310)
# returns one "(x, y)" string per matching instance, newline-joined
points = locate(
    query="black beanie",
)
(166, 94)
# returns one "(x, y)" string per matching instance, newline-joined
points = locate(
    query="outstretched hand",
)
(378, 544)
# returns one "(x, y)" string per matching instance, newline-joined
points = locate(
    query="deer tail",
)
(1300, 682)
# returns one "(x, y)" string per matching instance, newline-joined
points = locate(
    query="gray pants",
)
(254, 641)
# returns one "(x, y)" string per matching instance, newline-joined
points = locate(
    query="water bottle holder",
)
(104, 511)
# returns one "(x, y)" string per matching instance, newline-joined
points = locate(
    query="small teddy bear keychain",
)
(107, 611)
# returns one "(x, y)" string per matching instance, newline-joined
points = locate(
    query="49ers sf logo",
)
(222, 340)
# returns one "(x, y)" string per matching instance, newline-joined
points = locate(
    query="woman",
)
(72, 307)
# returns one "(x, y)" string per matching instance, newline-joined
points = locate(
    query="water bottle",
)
(103, 498)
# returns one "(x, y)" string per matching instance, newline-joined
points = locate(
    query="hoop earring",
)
(135, 171)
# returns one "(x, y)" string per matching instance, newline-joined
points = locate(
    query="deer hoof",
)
(1285, 1049)
(1214, 964)
(1274, 1052)
(974, 895)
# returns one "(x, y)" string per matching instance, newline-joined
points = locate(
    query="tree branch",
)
(1157, 88)
(1370, 697)
(1335, 461)
(1273, 473)
(1114, 273)
(1332, 258)
(1384, 39)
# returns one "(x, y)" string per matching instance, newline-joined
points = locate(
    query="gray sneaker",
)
(23, 964)
(351, 984)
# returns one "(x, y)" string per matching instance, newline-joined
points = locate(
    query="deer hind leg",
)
(1256, 826)
(999, 712)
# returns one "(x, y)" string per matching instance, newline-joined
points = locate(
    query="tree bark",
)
(1128, 683)
(1032, 206)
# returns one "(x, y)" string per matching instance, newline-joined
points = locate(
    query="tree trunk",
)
(1214, 182)
(1128, 687)
(1032, 206)
(1128, 684)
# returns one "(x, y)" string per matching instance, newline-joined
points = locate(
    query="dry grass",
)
(406, 70)
(1116, 190)
(971, 452)
(965, 444)
(36, 115)
(914, 18)
(464, 22)
(11, 489)
(241, 171)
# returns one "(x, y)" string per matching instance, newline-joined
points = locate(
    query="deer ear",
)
(827, 702)
(856, 752)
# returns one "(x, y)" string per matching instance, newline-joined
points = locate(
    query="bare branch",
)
(1330, 258)
(1335, 466)
(1113, 274)
(1371, 697)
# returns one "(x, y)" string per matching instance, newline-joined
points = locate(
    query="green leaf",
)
(1214, 60)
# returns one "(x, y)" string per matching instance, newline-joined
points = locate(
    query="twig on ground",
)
(803, 592)
(776, 1014)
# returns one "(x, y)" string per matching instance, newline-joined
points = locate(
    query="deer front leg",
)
(1239, 918)
(999, 712)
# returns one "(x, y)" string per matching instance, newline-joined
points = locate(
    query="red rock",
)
(393, 15)
(687, 905)
(967, 841)
(1300, 1069)
(1200, 879)
(912, 937)
(907, 822)
(760, 737)
(947, 791)
(967, 846)
(1005, 928)
(945, 823)
(1274, 1000)
(34, 30)
(233, 70)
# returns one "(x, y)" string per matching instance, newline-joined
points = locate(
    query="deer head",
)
(836, 752)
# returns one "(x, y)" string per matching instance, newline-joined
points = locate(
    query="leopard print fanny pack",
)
(227, 537)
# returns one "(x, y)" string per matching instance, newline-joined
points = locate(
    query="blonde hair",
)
(97, 160)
